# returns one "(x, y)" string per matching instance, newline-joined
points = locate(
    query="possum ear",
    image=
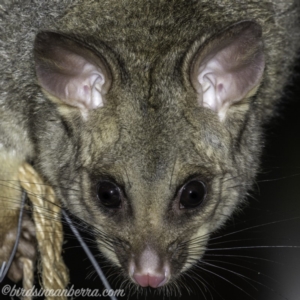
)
(229, 67)
(70, 72)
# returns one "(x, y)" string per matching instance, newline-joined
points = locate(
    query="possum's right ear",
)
(70, 72)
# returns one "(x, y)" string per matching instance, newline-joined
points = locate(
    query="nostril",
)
(152, 280)
(156, 280)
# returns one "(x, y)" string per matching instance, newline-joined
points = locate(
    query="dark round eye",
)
(192, 194)
(109, 194)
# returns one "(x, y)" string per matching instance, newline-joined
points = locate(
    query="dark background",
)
(269, 225)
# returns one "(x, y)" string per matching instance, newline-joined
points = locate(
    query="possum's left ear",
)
(229, 67)
(70, 72)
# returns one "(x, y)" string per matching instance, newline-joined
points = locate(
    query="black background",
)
(272, 217)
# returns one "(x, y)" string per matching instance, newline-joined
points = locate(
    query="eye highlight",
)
(109, 194)
(192, 194)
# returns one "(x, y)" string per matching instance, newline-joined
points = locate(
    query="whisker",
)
(244, 277)
(255, 247)
(221, 277)
(241, 266)
(244, 256)
(256, 226)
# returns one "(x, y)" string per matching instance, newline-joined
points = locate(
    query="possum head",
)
(156, 158)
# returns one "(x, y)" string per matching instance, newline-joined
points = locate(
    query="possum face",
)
(154, 155)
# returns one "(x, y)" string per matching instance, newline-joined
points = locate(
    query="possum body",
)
(144, 116)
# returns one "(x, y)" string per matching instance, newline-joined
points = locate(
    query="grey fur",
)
(151, 135)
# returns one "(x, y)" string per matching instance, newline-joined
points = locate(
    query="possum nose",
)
(148, 270)
(153, 280)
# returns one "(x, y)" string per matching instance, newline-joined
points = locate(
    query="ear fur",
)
(70, 72)
(229, 68)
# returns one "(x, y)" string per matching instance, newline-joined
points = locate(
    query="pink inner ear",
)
(224, 84)
(227, 75)
(220, 88)
(80, 85)
(70, 72)
(84, 90)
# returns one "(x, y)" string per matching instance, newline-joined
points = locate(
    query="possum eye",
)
(109, 194)
(192, 194)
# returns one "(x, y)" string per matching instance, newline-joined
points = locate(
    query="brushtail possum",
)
(145, 117)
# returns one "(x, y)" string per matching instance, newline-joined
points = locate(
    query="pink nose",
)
(150, 280)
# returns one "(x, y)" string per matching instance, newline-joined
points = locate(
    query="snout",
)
(149, 270)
